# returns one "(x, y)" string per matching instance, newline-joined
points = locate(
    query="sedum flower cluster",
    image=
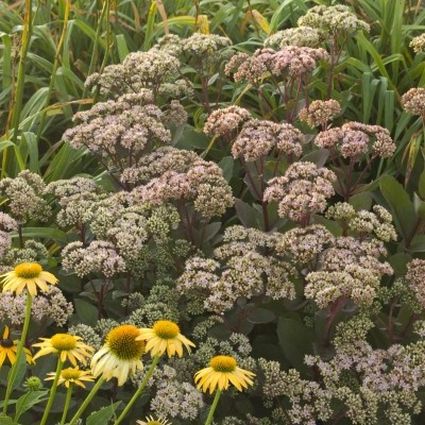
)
(251, 264)
(31, 251)
(161, 303)
(288, 63)
(241, 267)
(226, 122)
(418, 43)
(415, 278)
(360, 284)
(76, 198)
(24, 197)
(131, 135)
(354, 140)
(302, 191)
(259, 137)
(377, 222)
(366, 385)
(413, 101)
(347, 267)
(253, 138)
(155, 70)
(320, 113)
(174, 175)
(51, 306)
(301, 36)
(160, 69)
(122, 131)
(338, 19)
(130, 237)
(7, 226)
(175, 399)
(205, 50)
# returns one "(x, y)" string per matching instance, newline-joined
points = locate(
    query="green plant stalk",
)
(87, 401)
(52, 393)
(150, 23)
(213, 408)
(139, 391)
(108, 34)
(66, 405)
(19, 352)
(95, 43)
(108, 44)
(197, 11)
(17, 103)
(54, 69)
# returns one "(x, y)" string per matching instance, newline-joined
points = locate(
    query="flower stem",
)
(19, 90)
(66, 406)
(19, 353)
(138, 392)
(213, 407)
(52, 393)
(94, 53)
(54, 70)
(108, 34)
(87, 401)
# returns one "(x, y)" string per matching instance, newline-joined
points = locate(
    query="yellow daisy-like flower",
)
(121, 354)
(66, 346)
(72, 376)
(223, 370)
(163, 337)
(151, 421)
(29, 276)
(8, 349)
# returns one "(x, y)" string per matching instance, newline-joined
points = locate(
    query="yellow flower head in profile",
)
(8, 349)
(121, 354)
(29, 276)
(66, 346)
(72, 376)
(151, 421)
(223, 370)
(163, 337)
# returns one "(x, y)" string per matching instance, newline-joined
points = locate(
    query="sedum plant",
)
(220, 220)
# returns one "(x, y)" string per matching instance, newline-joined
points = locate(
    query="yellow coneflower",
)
(72, 376)
(69, 378)
(121, 354)
(119, 357)
(163, 337)
(66, 346)
(222, 372)
(151, 421)
(9, 348)
(25, 277)
(29, 276)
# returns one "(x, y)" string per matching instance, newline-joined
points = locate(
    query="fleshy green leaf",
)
(102, 416)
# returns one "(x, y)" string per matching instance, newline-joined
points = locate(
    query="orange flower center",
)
(63, 342)
(28, 270)
(166, 329)
(122, 342)
(223, 363)
(71, 374)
